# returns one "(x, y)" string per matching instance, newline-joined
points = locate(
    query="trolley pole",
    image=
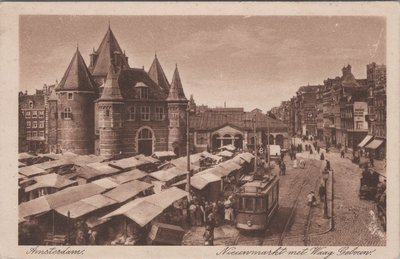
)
(188, 150)
(255, 143)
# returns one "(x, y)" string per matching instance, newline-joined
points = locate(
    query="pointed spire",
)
(111, 90)
(77, 76)
(176, 90)
(108, 46)
(156, 73)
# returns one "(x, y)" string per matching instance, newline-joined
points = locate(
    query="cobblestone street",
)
(355, 220)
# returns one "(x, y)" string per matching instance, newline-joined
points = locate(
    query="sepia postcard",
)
(200, 130)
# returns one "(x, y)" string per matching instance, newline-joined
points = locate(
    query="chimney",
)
(117, 58)
(93, 58)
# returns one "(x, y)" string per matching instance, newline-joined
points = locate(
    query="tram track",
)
(259, 239)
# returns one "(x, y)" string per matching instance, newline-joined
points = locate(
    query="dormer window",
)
(70, 96)
(30, 105)
(143, 90)
(144, 93)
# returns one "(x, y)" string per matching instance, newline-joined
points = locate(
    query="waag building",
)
(109, 108)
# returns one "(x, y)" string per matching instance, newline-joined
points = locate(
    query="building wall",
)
(76, 134)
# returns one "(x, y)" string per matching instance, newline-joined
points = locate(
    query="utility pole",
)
(268, 146)
(188, 150)
(255, 143)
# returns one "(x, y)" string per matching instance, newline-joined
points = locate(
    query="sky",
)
(243, 61)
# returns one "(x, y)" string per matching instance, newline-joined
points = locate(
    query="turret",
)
(74, 110)
(177, 106)
(110, 109)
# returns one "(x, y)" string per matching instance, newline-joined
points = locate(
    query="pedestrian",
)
(328, 165)
(208, 236)
(311, 152)
(283, 168)
(282, 155)
(322, 157)
(342, 153)
(311, 199)
(80, 238)
(92, 237)
(228, 211)
(192, 214)
(321, 192)
(371, 159)
(318, 149)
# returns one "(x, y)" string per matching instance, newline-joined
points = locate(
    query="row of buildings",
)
(342, 112)
(109, 108)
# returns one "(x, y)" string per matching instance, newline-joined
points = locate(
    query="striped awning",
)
(365, 141)
(374, 144)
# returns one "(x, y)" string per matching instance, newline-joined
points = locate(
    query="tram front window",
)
(248, 203)
(260, 204)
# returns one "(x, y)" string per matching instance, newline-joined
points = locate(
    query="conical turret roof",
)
(77, 76)
(156, 73)
(111, 90)
(176, 90)
(108, 46)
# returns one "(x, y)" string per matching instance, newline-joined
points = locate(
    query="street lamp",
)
(189, 110)
(325, 176)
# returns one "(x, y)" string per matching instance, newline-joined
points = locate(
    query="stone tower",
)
(75, 110)
(110, 107)
(177, 106)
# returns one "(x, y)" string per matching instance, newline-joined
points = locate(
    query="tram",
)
(257, 203)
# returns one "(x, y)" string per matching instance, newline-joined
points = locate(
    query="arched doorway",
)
(145, 142)
(215, 142)
(279, 140)
(227, 140)
(238, 141)
(271, 140)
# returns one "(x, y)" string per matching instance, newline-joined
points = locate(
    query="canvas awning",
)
(129, 176)
(163, 175)
(246, 156)
(53, 164)
(86, 159)
(229, 147)
(144, 210)
(20, 164)
(126, 163)
(365, 141)
(225, 153)
(104, 168)
(128, 190)
(230, 165)
(211, 156)
(160, 154)
(49, 180)
(106, 183)
(31, 170)
(73, 194)
(374, 144)
(23, 156)
(147, 159)
(85, 206)
(33, 207)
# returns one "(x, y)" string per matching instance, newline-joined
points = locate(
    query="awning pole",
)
(53, 225)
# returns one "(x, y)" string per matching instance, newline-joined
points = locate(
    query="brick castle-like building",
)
(109, 108)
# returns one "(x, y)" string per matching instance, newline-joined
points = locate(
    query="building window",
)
(34, 134)
(30, 105)
(70, 96)
(41, 133)
(159, 113)
(143, 93)
(28, 124)
(107, 113)
(27, 114)
(41, 124)
(145, 113)
(41, 114)
(34, 114)
(131, 113)
(28, 134)
(359, 125)
(34, 124)
(67, 114)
